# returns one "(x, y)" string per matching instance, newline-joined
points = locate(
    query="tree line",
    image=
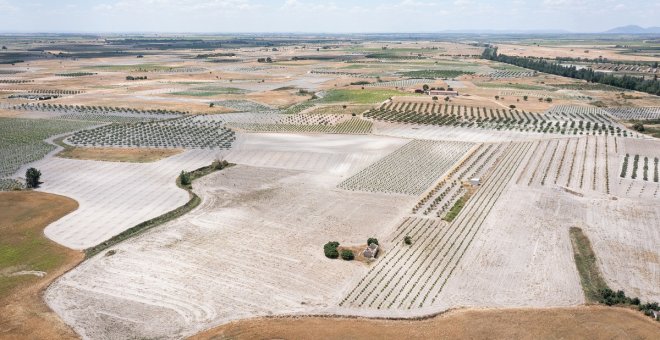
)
(651, 86)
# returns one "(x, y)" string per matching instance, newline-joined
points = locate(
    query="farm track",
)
(413, 276)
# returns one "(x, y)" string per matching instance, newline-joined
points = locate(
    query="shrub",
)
(32, 177)
(407, 240)
(220, 164)
(512, 106)
(347, 254)
(330, 250)
(372, 240)
(184, 178)
(639, 127)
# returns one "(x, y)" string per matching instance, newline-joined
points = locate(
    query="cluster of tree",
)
(330, 250)
(32, 177)
(136, 78)
(265, 60)
(610, 298)
(601, 60)
(372, 240)
(651, 86)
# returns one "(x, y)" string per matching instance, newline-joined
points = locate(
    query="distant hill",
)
(634, 29)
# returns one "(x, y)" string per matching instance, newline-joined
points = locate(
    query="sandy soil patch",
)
(591, 322)
(130, 155)
(29, 262)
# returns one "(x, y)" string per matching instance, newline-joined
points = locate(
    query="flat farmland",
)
(114, 196)
(293, 142)
(226, 259)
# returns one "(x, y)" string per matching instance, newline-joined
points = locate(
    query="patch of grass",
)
(432, 74)
(192, 203)
(456, 208)
(585, 261)
(23, 246)
(360, 96)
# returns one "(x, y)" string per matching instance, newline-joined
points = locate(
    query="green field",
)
(361, 96)
(435, 73)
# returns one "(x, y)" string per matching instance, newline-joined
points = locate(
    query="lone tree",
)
(347, 254)
(407, 240)
(425, 87)
(372, 240)
(525, 98)
(32, 176)
(497, 97)
(184, 178)
(330, 250)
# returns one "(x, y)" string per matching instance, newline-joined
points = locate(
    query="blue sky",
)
(321, 16)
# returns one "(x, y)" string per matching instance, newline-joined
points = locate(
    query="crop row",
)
(353, 125)
(22, 140)
(635, 112)
(398, 83)
(186, 132)
(412, 276)
(492, 118)
(409, 170)
(48, 107)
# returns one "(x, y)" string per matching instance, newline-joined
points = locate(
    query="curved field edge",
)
(26, 253)
(515, 323)
(107, 154)
(192, 203)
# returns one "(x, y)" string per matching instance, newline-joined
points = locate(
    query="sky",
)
(339, 16)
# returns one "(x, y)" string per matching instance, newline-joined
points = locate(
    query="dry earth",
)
(591, 322)
(24, 252)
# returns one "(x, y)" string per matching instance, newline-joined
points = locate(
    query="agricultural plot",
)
(412, 276)
(632, 113)
(241, 206)
(581, 164)
(209, 91)
(93, 113)
(409, 170)
(8, 184)
(451, 188)
(22, 140)
(187, 132)
(509, 74)
(521, 93)
(114, 196)
(311, 123)
(404, 83)
(435, 74)
(244, 106)
(558, 120)
(343, 73)
(75, 74)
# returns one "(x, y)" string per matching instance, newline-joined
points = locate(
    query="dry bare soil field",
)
(188, 189)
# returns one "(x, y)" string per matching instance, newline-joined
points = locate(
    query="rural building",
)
(442, 93)
(475, 181)
(371, 251)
